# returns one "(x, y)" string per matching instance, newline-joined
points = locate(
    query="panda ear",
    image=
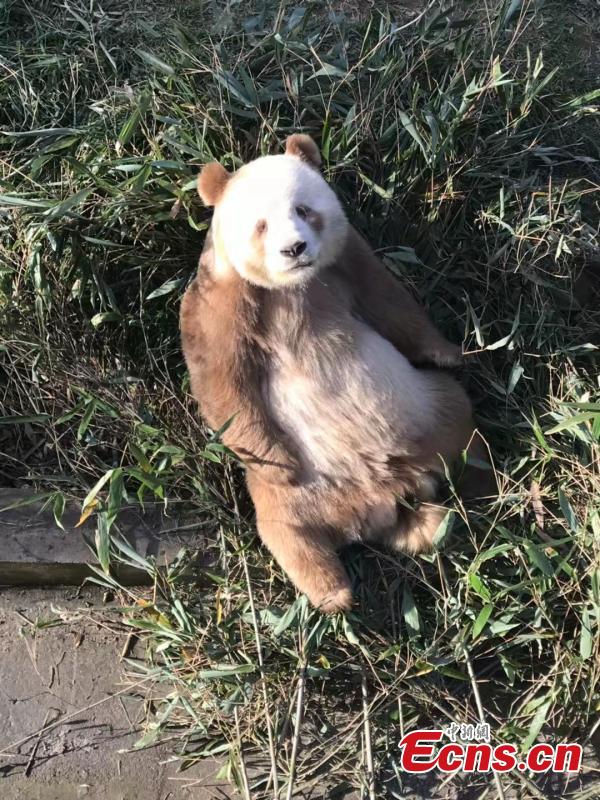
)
(212, 182)
(302, 146)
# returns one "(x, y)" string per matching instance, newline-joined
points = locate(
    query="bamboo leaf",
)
(481, 620)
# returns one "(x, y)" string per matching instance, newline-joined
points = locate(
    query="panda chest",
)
(347, 398)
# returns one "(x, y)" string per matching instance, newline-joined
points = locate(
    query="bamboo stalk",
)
(263, 681)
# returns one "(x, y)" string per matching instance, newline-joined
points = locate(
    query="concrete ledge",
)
(54, 574)
(34, 551)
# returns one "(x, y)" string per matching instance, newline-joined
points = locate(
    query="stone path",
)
(69, 674)
(67, 723)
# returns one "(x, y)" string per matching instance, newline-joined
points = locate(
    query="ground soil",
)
(71, 674)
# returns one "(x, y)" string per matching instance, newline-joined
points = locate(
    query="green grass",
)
(464, 146)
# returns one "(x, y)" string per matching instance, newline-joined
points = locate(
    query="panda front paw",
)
(442, 354)
(450, 355)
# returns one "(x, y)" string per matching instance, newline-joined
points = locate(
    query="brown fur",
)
(220, 326)
(231, 332)
(212, 181)
(301, 145)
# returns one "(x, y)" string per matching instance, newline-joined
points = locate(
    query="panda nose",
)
(294, 250)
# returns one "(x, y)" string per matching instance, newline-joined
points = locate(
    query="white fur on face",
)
(271, 190)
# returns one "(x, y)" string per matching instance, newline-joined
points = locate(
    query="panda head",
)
(276, 220)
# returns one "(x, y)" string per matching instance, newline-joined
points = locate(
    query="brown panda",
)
(297, 333)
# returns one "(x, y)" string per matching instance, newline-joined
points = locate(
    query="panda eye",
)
(261, 226)
(302, 211)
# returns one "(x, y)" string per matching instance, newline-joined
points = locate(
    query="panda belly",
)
(349, 408)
